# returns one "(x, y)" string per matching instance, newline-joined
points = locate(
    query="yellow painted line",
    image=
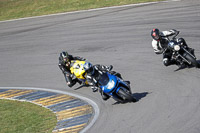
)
(73, 129)
(7, 92)
(73, 112)
(53, 99)
(46, 99)
(13, 93)
(18, 93)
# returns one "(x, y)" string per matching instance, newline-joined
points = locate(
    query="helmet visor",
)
(66, 59)
(90, 70)
(156, 36)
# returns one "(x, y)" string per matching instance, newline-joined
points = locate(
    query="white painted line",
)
(89, 10)
(92, 103)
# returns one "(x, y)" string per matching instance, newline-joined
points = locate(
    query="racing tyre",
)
(126, 95)
(192, 60)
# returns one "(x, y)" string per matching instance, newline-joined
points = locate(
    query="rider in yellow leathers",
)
(64, 65)
(71, 68)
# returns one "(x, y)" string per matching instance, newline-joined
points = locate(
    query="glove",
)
(68, 74)
(173, 31)
(82, 59)
(109, 68)
(72, 75)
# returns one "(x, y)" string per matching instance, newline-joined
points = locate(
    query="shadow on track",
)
(183, 67)
(81, 87)
(137, 96)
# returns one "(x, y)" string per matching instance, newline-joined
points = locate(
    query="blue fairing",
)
(110, 83)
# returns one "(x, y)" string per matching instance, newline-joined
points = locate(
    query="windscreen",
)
(104, 79)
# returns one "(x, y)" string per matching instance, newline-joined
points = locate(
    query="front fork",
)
(189, 53)
(186, 52)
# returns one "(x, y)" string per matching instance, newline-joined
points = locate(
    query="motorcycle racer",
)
(92, 73)
(160, 42)
(92, 76)
(64, 65)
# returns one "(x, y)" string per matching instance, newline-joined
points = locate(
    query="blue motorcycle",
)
(115, 87)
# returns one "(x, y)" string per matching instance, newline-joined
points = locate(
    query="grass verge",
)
(13, 9)
(25, 117)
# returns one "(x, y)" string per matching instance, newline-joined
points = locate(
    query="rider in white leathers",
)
(160, 42)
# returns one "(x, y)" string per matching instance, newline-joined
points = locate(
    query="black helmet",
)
(64, 56)
(181, 41)
(155, 33)
(88, 68)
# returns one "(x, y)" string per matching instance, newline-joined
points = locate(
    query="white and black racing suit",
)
(160, 46)
(93, 77)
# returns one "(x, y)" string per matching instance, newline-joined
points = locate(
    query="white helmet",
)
(88, 68)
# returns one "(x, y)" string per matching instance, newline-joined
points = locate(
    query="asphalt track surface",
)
(168, 100)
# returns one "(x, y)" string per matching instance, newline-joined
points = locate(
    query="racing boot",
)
(80, 82)
(116, 74)
(94, 88)
(70, 84)
(104, 95)
(182, 66)
(127, 82)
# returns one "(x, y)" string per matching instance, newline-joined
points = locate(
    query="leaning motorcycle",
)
(181, 54)
(115, 87)
(77, 69)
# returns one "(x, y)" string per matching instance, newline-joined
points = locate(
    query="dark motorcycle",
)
(181, 54)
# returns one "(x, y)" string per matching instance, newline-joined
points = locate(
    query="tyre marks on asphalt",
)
(73, 114)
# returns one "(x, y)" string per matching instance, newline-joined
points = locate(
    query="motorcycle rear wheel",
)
(192, 60)
(126, 95)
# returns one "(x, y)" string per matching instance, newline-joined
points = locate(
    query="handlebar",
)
(176, 34)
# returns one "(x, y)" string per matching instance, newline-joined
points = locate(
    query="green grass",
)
(25, 117)
(13, 9)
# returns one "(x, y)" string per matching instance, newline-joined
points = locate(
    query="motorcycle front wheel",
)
(126, 95)
(192, 60)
